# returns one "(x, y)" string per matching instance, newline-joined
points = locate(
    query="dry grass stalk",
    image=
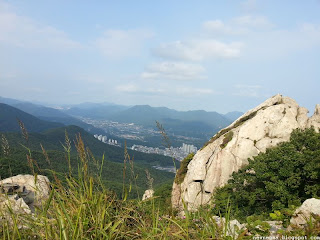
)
(45, 154)
(5, 145)
(149, 179)
(23, 130)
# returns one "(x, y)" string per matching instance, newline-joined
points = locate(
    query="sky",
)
(203, 54)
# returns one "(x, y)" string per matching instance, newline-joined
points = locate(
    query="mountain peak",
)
(260, 128)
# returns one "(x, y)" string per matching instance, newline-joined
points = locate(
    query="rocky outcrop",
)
(260, 128)
(19, 195)
(309, 209)
(24, 190)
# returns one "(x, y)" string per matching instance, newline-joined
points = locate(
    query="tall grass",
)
(79, 206)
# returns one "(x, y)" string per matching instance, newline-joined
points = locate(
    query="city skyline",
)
(184, 55)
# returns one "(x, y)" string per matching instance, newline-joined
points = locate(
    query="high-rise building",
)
(188, 148)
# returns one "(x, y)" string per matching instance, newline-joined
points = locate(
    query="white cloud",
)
(218, 26)
(127, 88)
(215, 25)
(247, 90)
(252, 21)
(261, 38)
(20, 31)
(142, 89)
(281, 42)
(122, 43)
(237, 26)
(194, 91)
(135, 89)
(198, 50)
(174, 71)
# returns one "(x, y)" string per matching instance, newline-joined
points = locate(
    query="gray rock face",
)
(306, 212)
(260, 128)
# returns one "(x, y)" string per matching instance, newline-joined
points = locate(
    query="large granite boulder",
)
(260, 128)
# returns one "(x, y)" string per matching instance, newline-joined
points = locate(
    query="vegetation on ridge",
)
(227, 138)
(238, 123)
(80, 206)
(15, 162)
(283, 176)
(181, 173)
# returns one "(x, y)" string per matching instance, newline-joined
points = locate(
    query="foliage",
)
(9, 116)
(283, 176)
(227, 138)
(257, 226)
(53, 138)
(83, 208)
(162, 196)
(56, 160)
(181, 173)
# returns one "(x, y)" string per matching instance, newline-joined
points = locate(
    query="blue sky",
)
(212, 55)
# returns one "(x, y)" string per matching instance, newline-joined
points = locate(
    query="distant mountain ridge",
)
(9, 116)
(196, 123)
(50, 114)
(232, 116)
(179, 122)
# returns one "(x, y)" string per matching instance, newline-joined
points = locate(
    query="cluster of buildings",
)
(187, 148)
(104, 139)
(178, 153)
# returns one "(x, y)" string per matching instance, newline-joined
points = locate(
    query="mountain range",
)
(48, 126)
(9, 117)
(197, 123)
(51, 136)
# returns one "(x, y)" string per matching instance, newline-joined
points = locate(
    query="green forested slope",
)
(54, 138)
(9, 116)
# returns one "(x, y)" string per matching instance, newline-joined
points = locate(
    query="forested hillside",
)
(9, 117)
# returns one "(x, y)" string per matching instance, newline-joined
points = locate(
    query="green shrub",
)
(227, 138)
(283, 176)
(181, 173)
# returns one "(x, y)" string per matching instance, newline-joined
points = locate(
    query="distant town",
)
(109, 141)
(123, 130)
(178, 153)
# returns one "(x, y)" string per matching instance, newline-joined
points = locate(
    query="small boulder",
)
(305, 213)
(32, 190)
(12, 206)
(275, 227)
(234, 227)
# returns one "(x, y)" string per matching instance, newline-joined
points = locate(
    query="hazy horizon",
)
(184, 55)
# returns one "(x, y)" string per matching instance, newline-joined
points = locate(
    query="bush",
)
(181, 173)
(283, 176)
(227, 139)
